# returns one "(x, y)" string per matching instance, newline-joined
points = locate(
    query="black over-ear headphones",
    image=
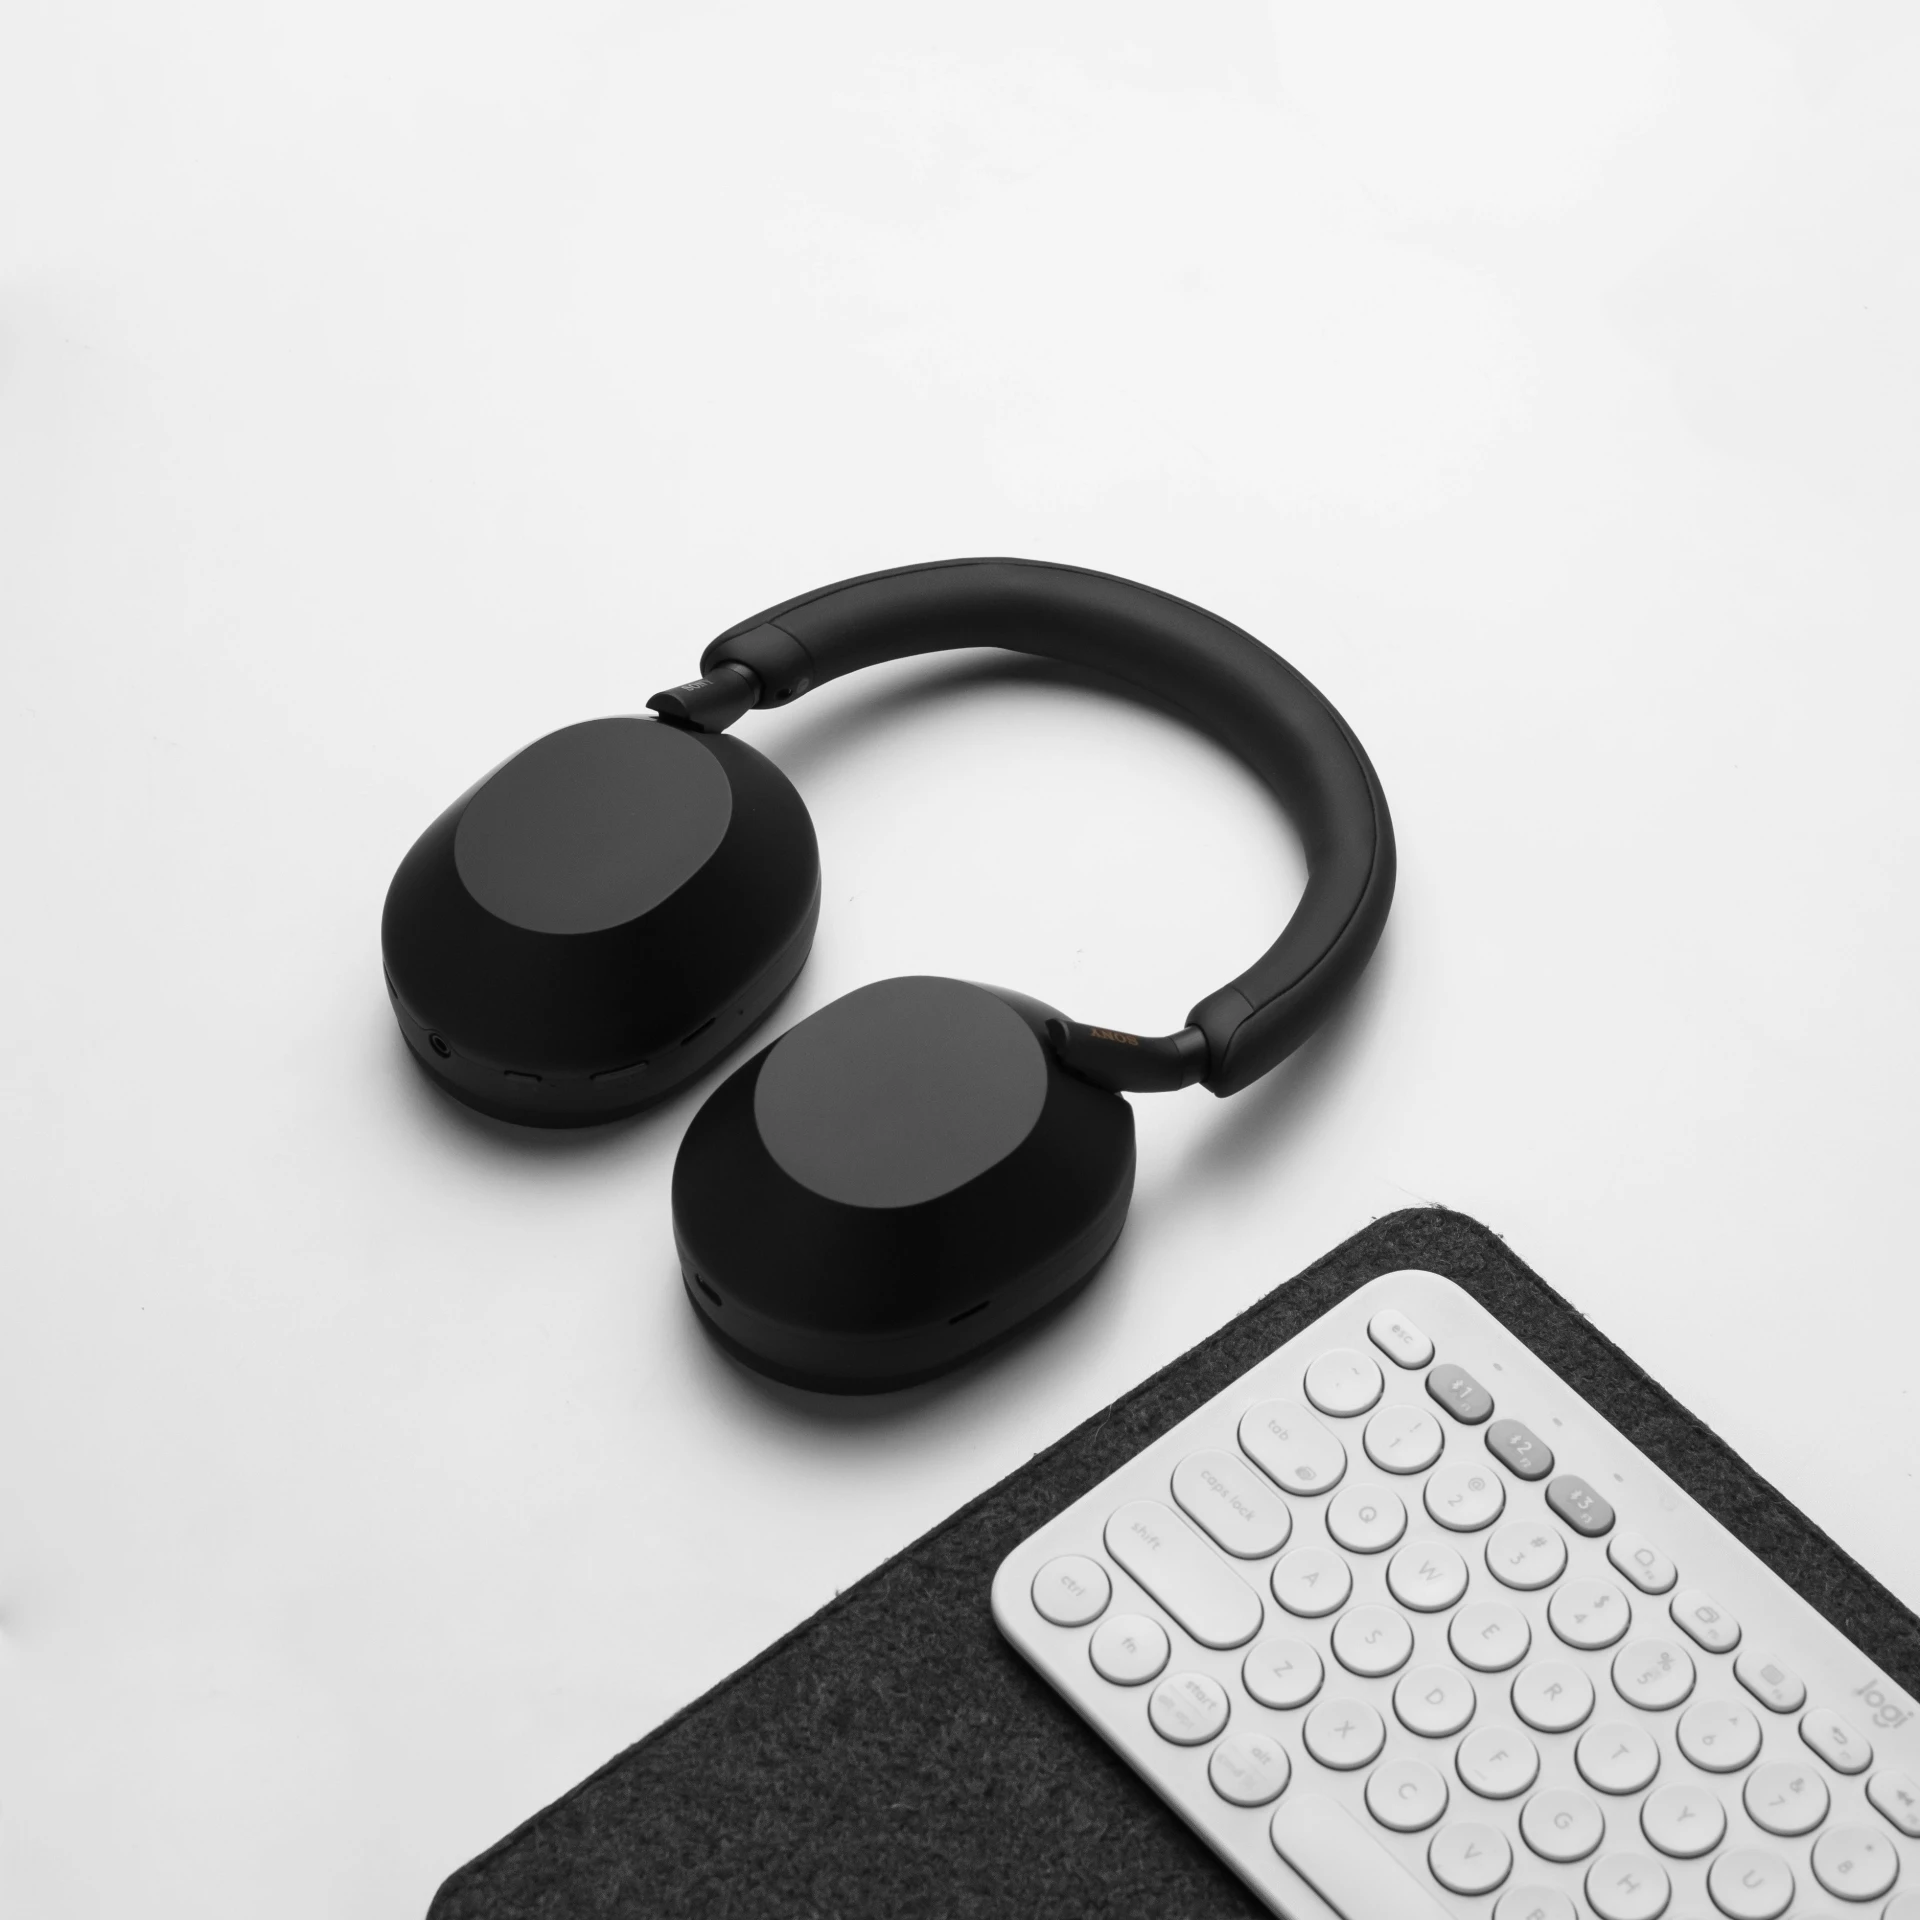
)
(917, 1169)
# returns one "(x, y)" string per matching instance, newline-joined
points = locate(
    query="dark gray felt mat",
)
(894, 1757)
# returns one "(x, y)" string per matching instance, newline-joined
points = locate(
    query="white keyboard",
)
(1403, 1629)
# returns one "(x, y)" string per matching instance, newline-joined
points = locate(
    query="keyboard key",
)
(1468, 1858)
(1129, 1649)
(1192, 1582)
(1628, 1886)
(1579, 1506)
(1552, 1696)
(1372, 1641)
(1534, 1903)
(1786, 1798)
(1366, 1519)
(1747, 1884)
(1402, 1439)
(1344, 1734)
(1072, 1590)
(1465, 1498)
(1527, 1555)
(1188, 1709)
(1312, 1582)
(1498, 1762)
(1399, 1339)
(1520, 1450)
(1249, 1769)
(1589, 1614)
(1489, 1636)
(1429, 1579)
(1232, 1504)
(1615, 1759)
(1644, 1564)
(1343, 1382)
(1653, 1674)
(1777, 1688)
(1855, 1863)
(1460, 1393)
(1684, 1821)
(1434, 1702)
(1897, 1795)
(1345, 1865)
(1718, 1737)
(1282, 1673)
(1406, 1795)
(1705, 1621)
(1903, 1906)
(1839, 1745)
(1562, 1825)
(1291, 1447)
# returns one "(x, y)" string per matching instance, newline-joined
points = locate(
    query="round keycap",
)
(1406, 1795)
(1654, 1674)
(1468, 1858)
(1589, 1613)
(1232, 1501)
(1429, 1577)
(1291, 1447)
(1718, 1737)
(1402, 1439)
(1534, 1903)
(1616, 1759)
(1464, 1496)
(1527, 1555)
(1434, 1702)
(1489, 1636)
(1498, 1762)
(1188, 1708)
(1747, 1884)
(1552, 1696)
(1628, 1886)
(1071, 1590)
(1311, 1582)
(1903, 1906)
(1344, 1734)
(1128, 1649)
(1282, 1673)
(1249, 1769)
(1855, 1863)
(1372, 1641)
(1562, 1825)
(1683, 1820)
(1343, 1382)
(1366, 1519)
(1785, 1798)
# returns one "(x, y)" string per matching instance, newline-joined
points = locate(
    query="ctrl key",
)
(1071, 1590)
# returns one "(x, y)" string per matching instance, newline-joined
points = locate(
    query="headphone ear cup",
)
(904, 1178)
(599, 920)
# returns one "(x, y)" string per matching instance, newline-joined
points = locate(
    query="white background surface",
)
(381, 386)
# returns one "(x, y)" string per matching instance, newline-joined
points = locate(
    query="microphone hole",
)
(439, 1046)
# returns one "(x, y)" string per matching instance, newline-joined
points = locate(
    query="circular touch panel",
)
(592, 826)
(900, 1092)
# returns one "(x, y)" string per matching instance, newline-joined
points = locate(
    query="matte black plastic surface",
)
(1237, 690)
(902, 1179)
(599, 919)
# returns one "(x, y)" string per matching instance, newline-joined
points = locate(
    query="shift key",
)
(1184, 1574)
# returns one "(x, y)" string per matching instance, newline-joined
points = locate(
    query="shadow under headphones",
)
(919, 1168)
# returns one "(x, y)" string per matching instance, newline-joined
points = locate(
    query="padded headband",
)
(1231, 686)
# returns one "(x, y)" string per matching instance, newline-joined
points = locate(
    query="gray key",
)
(1520, 1450)
(1460, 1393)
(1579, 1506)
